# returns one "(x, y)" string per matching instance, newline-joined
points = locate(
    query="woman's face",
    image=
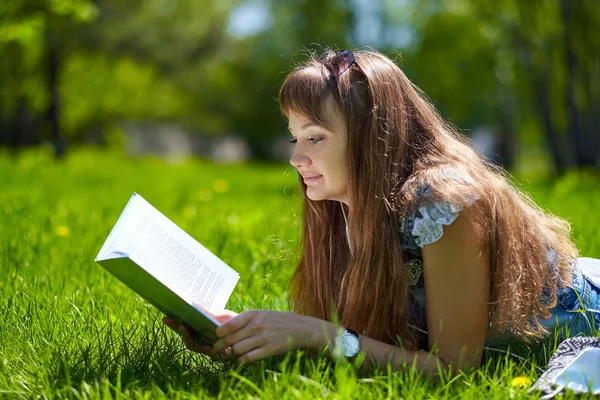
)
(321, 157)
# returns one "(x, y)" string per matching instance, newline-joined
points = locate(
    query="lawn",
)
(69, 329)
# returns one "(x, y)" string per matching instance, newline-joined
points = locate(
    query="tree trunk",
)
(508, 127)
(583, 157)
(592, 119)
(557, 146)
(541, 91)
(53, 113)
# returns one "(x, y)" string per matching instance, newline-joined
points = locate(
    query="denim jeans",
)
(578, 309)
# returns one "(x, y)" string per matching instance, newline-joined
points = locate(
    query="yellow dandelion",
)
(520, 381)
(220, 185)
(62, 230)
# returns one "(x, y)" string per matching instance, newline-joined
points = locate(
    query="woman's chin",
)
(314, 196)
(320, 196)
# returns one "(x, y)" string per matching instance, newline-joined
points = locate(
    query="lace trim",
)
(428, 228)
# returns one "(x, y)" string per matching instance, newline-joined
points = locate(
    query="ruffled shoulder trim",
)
(424, 224)
(428, 227)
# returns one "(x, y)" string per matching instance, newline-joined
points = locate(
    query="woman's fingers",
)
(222, 316)
(190, 342)
(171, 324)
(244, 346)
(236, 337)
(254, 355)
(235, 323)
(229, 340)
(188, 339)
(225, 316)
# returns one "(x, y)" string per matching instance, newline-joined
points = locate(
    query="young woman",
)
(420, 247)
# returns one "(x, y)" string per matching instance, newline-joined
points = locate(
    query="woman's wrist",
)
(322, 334)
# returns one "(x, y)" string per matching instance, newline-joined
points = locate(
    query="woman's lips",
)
(311, 179)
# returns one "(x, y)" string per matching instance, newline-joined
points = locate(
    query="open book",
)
(167, 267)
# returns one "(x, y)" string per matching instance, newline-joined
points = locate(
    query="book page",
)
(172, 256)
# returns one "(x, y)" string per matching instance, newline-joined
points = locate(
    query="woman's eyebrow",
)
(306, 126)
(309, 124)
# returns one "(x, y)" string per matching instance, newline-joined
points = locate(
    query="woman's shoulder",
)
(432, 208)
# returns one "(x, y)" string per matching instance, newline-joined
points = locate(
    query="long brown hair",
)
(397, 142)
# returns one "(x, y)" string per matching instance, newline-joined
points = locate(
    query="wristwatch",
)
(348, 343)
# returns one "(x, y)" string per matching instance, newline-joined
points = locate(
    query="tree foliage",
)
(530, 71)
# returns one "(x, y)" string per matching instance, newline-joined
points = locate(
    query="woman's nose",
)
(299, 159)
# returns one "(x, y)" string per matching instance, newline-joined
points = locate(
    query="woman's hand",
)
(189, 340)
(258, 334)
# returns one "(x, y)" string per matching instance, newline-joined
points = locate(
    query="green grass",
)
(69, 329)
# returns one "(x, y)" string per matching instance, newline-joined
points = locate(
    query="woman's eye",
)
(311, 140)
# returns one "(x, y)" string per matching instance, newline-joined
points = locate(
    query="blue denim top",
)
(424, 225)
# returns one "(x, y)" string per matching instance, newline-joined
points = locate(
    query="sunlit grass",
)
(68, 328)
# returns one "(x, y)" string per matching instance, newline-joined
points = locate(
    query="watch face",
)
(351, 344)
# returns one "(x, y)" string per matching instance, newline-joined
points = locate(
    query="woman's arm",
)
(379, 353)
(457, 291)
(456, 273)
(258, 334)
(456, 270)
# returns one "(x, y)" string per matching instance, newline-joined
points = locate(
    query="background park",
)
(176, 100)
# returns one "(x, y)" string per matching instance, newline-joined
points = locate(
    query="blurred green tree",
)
(143, 60)
(32, 35)
(532, 69)
(248, 78)
(158, 59)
